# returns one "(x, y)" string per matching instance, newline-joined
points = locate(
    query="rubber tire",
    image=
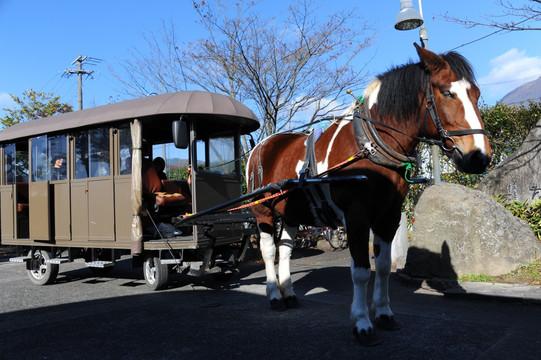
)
(156, 274)
(47, 273)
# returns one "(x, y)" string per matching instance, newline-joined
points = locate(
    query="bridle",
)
(380, 153)
(445, 135)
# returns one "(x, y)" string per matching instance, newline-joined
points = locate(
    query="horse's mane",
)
(398, 95)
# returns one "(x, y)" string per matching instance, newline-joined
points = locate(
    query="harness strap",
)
(316, 196)
(310, 165)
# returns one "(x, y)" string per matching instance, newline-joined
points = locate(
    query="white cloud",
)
(508, 71)
(6, 101)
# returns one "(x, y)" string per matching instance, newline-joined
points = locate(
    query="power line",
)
(485, 36)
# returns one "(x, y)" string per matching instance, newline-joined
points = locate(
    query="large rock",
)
(460, 231)
(518, 176)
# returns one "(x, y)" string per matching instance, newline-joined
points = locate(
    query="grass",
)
(529, 274)
(477, 278)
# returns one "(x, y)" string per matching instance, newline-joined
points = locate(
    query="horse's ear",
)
(433, 62)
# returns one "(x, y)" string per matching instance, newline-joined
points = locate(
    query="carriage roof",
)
(212, 110)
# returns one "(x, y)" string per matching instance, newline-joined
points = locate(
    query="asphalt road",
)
(82, 316)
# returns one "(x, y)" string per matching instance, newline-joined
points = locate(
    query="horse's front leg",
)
(285, 247)
(384, 317)
(363, 330)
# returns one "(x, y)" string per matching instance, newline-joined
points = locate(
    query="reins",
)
(371, 151)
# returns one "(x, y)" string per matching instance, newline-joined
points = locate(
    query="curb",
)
(520, 292)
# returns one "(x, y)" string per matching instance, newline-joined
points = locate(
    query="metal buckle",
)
(370, 148)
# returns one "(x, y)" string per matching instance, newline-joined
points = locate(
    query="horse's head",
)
(452, 97)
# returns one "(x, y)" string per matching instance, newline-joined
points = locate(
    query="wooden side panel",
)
(101, 210)
(61, 209)
(214, 189)
(7, 213)
(39, 216)
(79, 211)
(123, 210)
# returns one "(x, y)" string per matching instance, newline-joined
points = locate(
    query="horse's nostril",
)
(475, 162)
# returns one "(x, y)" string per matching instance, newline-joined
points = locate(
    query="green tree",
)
(34, 105)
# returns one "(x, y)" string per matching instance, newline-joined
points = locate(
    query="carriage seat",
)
(22, 196)
(162, 192)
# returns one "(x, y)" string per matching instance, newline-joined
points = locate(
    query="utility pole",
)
(80, 72)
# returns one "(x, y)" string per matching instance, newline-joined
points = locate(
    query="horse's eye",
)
(448, 94)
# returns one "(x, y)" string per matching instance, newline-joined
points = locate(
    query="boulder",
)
(518, 176)
(460, 231)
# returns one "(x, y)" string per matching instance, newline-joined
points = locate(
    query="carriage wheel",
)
(337, 239)
(40, 272)
(156, 273)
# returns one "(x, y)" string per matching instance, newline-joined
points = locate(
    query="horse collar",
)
(377, 150)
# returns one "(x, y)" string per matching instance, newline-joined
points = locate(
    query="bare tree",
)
(513, 17)
(278, 67)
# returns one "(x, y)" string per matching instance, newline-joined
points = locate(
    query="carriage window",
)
(124, 137)
(176, 160)
(92, 153)
(57, 155)
(39, 158)
(201, 154)
(16, 163)
(9, 164)
(222, 155)
(48, 158)
(81, 155)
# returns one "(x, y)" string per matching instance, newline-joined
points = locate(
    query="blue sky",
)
(39, 40)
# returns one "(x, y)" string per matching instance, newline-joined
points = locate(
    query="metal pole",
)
(80, 80)
(423, 35)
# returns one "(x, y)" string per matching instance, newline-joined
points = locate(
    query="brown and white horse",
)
(399, 104)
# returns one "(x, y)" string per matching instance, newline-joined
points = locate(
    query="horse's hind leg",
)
(268, 252)
(285, 247)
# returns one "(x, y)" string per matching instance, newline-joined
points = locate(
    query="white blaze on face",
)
(460, 88)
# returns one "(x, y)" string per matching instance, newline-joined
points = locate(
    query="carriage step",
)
(100, 264)
(20, 259)
(171, 261)
(57, 261)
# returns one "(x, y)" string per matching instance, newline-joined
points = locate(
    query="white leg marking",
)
(359, 308)
(285, 247)
(268, 251)
(380, 300)
(460, 88)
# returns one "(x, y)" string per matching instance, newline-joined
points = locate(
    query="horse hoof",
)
(367, 337)
(291, 302)
(387, 323)
(278, 305)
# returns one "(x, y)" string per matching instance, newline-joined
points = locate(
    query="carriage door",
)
(14, 192)
(49, 189)
(7, 193)
(92, 196)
